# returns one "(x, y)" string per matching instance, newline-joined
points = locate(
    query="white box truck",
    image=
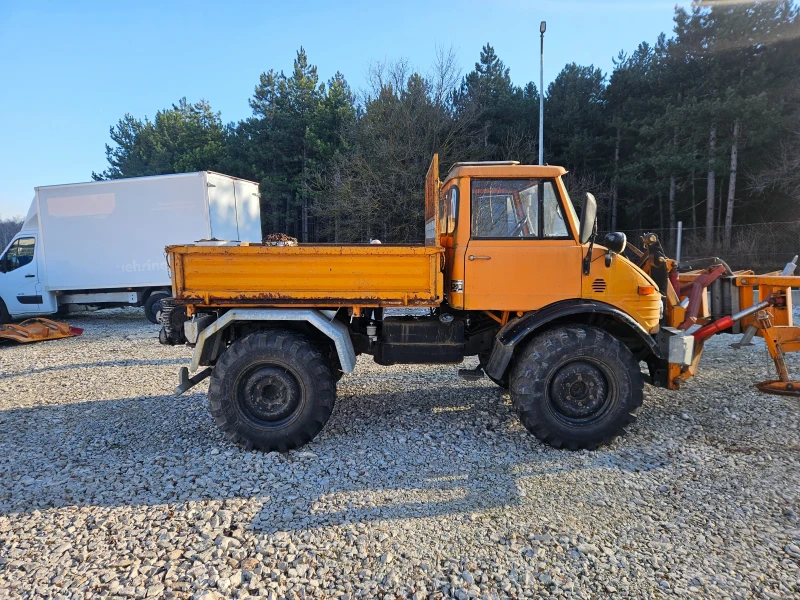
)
(101, 244)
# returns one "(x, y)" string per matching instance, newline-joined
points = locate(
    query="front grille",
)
(599, 286)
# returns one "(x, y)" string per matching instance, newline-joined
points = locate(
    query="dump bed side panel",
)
(308, 275)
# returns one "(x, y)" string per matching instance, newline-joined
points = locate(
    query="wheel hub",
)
(270, 394)
(579, 390)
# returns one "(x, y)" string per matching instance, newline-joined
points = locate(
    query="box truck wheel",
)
(576, 387)
(5, 317)
(152, 306)
(272, 390)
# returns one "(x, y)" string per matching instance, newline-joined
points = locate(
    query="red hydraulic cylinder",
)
(725, 322)
(676, 283)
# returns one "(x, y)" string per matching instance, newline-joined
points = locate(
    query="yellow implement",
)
(758, 305)
(37, 330)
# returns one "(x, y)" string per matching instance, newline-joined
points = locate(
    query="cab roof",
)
(502, 168)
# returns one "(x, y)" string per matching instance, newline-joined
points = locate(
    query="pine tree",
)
(186, 137)
(508, 115)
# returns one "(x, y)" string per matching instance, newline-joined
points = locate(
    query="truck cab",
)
(511, 224)
(512, 240)
(19, 277)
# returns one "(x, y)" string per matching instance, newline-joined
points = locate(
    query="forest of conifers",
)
(702, 126)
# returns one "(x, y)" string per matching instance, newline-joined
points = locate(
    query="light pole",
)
(542, 29)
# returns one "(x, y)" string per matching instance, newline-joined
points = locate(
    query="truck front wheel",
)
(576, 387)
(272, 390)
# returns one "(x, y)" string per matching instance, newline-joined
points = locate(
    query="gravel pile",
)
(422, 485)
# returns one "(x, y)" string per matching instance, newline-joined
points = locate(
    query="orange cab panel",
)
(513, 275)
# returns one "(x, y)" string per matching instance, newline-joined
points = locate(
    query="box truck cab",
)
(19, 273)
(101, 244)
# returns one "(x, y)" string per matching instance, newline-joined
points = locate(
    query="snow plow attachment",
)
(37, 330)
(704, 297)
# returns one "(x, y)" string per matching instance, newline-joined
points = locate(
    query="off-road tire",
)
(329, 350)
(150, 309)
(5, 316)
(552, 381)
(172, 318)
(272, 390)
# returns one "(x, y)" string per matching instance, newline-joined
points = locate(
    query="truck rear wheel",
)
(576, 387)
(152, 306)
(272, 390)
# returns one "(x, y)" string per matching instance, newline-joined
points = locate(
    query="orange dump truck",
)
(508, 273)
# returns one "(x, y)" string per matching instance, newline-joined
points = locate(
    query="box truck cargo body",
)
(101, 244)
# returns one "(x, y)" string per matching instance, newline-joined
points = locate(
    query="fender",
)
(322, 320)
(517, 330)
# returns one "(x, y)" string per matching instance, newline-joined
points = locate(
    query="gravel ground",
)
(421, 485)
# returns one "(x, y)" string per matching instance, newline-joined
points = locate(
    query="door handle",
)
(30, 275)
(476, 257)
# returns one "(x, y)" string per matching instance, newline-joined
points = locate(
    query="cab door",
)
(19, 277)
(522, 254)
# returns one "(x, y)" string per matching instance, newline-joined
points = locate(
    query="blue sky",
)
(69, 70)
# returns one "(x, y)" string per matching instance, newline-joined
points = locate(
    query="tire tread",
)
(527, 383)
(295, 348)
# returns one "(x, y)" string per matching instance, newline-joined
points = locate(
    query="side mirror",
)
(615, 242)
(588, 218)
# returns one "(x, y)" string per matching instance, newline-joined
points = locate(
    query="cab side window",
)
(19, 254)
